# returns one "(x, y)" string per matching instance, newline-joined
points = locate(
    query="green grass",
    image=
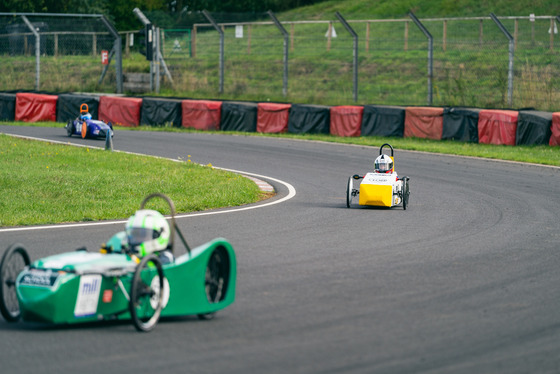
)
(44, 183)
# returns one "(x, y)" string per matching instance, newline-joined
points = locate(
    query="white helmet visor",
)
(137, 235)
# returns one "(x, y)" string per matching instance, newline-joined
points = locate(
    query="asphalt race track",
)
(465, 280)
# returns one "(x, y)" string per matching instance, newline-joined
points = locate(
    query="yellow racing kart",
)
(382, 187)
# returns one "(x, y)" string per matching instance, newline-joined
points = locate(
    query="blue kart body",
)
(88, 128)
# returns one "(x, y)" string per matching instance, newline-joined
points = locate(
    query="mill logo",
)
(88, 296)
(90, 287)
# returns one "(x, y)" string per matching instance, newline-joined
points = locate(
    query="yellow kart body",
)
(380, 190)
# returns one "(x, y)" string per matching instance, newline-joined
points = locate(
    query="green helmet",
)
(147, 232)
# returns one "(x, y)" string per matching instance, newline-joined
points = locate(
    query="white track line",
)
(291, 194)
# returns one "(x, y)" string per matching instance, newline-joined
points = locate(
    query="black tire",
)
(145, 315)
(14, 260)
(216, 279)
(349, 189)
(405, 192)
(69, 128)
(207, 316)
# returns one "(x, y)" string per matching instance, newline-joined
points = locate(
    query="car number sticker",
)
(88, 295)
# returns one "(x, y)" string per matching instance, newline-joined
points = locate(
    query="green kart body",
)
(118, 283)
(83, 286)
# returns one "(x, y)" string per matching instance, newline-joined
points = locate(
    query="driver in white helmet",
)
(383, 164)
(147, 232)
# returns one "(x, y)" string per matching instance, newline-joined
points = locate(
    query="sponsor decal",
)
(88, 295)
(40, 278)
(380, 179)
(107, 296)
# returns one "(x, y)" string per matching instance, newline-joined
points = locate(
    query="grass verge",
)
(45, 183)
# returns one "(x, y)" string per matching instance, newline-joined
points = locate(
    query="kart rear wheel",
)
(69, 128)
(146, 294)
(405, 192)
(349, 189)
(216, 279)
(14, 260)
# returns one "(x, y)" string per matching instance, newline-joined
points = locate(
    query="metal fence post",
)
(157, 40)
(117, 48)
(430, 55)
(355, 53)
(285, 55)
(511, 53)
(221, 32)
(37, 51)
(159, 56)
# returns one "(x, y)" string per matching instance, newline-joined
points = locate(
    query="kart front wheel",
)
(216, 279)
(146, 294)
(84, 129)
(14, 260)
(349, 189)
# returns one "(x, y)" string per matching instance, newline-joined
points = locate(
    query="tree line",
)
(120, 11)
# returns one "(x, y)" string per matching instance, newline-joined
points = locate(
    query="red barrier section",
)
(121, 111)
(423, 122)
(201, 114)
(273, 118)
(497, 126)
(32, 107)
(346, 120)
(555, 129)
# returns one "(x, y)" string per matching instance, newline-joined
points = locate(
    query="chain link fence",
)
(250, 57)
(58, 53)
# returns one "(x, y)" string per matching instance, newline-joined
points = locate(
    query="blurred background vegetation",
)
(179, 13)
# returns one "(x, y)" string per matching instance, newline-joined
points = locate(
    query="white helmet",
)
(147, 232)
(383, 164)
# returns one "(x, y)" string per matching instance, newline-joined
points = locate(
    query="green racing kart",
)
(82, 286)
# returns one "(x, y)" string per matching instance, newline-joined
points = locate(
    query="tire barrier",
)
(272, 118)
(32, 107)
(7, 107)
(555, 130)
(486, 126)
(68, 106)
(239, 116)
(460, 124)
(423, 122)
(121, 111)
(497, 126)
(201, 114)
(346, 120)
(309, 119)
(533, 128)
(160, 112)
(383, 120)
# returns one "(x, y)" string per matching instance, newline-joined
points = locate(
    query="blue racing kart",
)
(86, 127)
